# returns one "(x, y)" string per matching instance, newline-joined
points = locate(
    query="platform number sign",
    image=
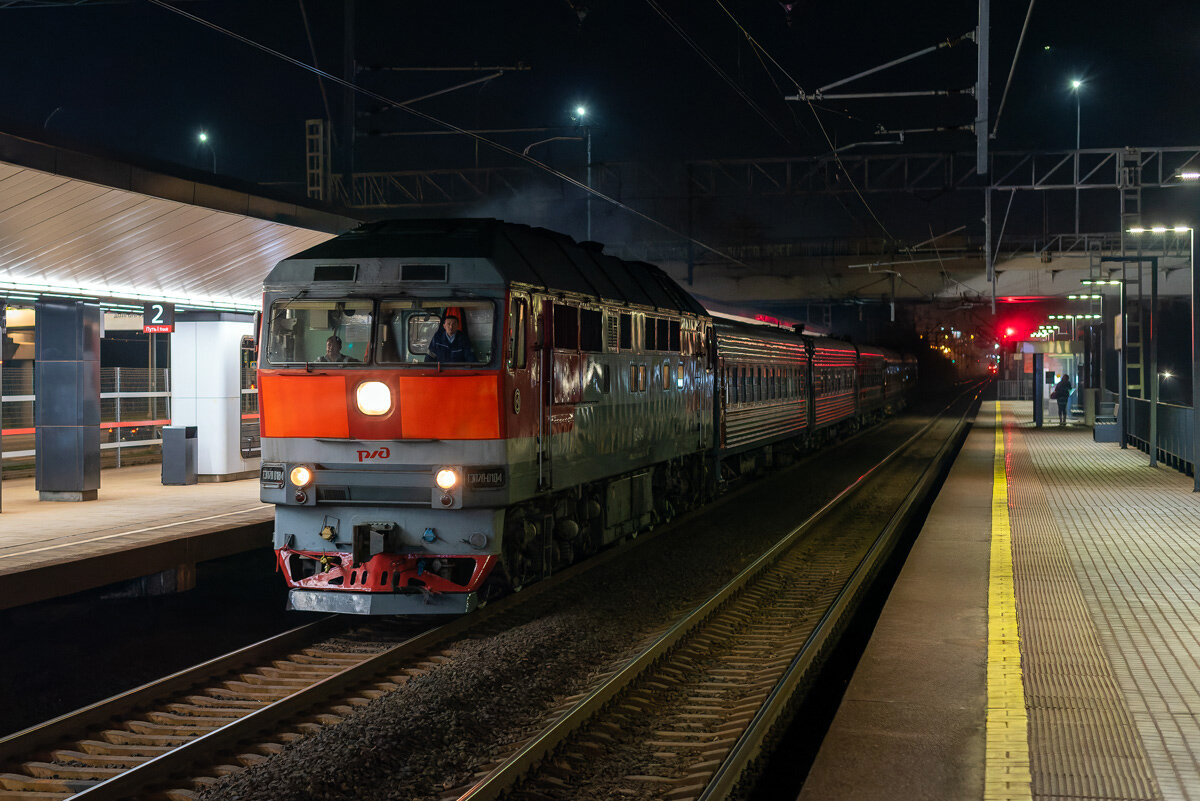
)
(158, 318)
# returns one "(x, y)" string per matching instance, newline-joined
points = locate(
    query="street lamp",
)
(580, 116)
(202, 138)
(1076, 85)
(1195, 293)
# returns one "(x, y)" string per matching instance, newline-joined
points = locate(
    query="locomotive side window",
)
(407, 327)
(566, 327)
(334, 333)
(591, 334)
(516, 326)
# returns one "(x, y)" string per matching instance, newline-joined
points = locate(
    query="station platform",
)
(1043, 638)
(138, 528)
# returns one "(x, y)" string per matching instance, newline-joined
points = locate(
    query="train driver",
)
(333, 351)
(450, 343)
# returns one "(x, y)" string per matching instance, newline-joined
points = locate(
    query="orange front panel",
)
(303, 405)
(449, 407)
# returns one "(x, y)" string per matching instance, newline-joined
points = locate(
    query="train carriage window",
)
(663, 335)
(626, 332)
(648, 338)
(637, 378)
(674, 336)
(666, 376)
(566, 327)
(331, 333)
(591, 334)
(408, 327)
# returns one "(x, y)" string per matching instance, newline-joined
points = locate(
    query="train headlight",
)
(446, 478)
(301, 476)
(374, 398)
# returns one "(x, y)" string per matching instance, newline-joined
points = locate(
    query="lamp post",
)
(1076, 85)
(202, 138)
(580, 115)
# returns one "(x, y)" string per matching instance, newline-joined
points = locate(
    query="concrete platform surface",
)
(1101, 555)
(137, 527)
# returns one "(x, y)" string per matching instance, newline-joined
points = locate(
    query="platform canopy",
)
(84, 225)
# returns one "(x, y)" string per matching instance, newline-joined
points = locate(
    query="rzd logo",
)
(382, 453)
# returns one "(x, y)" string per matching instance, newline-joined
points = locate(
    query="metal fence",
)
(135, 403)
(1020, 389)
(1174, 432)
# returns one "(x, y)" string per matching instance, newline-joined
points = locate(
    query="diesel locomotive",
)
(583, 398)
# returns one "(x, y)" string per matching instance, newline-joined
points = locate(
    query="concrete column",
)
(206, 392)
(67, 408)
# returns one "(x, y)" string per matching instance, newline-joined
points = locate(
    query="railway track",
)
(172, 738)
(176, 737)
(688, 717)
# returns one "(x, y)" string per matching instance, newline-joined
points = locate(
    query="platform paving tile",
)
(1131, 534)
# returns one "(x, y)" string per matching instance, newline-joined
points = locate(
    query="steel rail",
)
(502, 779)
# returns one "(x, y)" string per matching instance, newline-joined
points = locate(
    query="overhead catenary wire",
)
(451, 126)
(716, 68)
(800, 91)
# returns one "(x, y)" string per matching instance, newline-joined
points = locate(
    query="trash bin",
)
(179, 455)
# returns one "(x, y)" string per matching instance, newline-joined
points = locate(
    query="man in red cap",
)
(450, 344)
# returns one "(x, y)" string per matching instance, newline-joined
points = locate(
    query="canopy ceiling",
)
(72, 223)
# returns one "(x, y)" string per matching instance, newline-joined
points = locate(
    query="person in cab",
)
(450, 343)
(333, 351)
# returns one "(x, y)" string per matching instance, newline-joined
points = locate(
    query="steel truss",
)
(913, 173)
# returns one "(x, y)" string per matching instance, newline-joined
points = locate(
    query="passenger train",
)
(591, 399)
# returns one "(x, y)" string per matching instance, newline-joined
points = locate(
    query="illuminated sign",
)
(158, 318)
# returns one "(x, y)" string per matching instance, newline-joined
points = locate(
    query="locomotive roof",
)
(521, 253)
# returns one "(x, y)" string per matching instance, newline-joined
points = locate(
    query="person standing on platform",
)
(1062, 394)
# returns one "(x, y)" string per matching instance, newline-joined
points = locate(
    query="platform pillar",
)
(206, 392)
(1039, 394)
(67, 408)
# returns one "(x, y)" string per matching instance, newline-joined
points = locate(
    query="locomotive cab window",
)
(328, 333)
(428, 331)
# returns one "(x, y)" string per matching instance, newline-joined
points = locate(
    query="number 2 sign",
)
(158, 318)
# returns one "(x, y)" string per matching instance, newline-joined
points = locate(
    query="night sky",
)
(133, 78)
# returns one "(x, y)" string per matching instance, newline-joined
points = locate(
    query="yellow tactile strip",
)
(1083, 740)
(1006, 765)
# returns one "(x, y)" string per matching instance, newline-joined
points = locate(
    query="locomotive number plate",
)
(272, 475)
(482, 478)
